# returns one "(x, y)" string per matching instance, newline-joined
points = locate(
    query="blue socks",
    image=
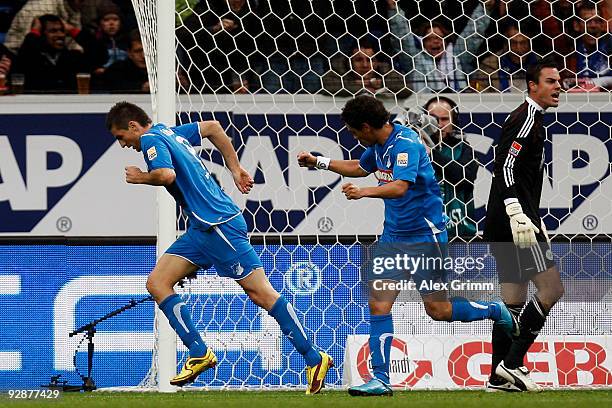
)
(287, 319)
(180, 320)
(381, 336)
(469, 311)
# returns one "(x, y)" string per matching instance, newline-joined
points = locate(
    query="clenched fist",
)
(306, 159)
(352, 192)
(132, 174)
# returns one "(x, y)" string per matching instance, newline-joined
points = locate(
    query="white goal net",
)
(275, 74)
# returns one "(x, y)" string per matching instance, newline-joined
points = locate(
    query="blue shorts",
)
(432, 246)
(225, 246)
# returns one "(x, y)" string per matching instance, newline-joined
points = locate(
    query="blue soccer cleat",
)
(372, 388)
(506, 320)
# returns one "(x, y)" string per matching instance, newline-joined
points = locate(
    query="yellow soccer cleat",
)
(193, 367)
(316, 375)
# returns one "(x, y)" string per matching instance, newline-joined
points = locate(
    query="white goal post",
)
(156, 23)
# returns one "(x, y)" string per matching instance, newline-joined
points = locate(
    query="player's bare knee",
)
(379, 308)
(152, 285)
(439, 311)
(156, 286)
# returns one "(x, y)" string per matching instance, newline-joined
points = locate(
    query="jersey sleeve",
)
(510, 153)
(405, 157)
(367, 161)
(190, 131)
(156, 153)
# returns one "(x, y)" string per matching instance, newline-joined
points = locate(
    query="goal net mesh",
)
(275, 74)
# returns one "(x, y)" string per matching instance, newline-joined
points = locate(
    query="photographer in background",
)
(455, 166)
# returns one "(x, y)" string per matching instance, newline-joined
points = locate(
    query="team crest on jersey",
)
(152, 153)
(515, 148)
(402, 159)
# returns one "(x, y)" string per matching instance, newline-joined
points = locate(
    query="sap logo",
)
(303, 278)
(260, 155)
(30, 192)
(285, 191)
(266, 340)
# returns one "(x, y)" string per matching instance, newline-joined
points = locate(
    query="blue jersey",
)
(194, 188)
(403, 157)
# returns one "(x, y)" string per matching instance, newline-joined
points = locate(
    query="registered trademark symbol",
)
(63, 224)
(590, 222)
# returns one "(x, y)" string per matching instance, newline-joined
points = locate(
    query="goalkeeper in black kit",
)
(518, 237)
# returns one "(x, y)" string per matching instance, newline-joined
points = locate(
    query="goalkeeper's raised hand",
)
(523, 230)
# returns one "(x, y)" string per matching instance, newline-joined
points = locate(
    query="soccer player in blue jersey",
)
(216, 234)
(414, 219)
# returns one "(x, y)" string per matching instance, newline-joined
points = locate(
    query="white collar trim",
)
(535, 104)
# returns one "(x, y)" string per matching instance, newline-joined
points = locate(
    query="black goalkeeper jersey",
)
(518, 171)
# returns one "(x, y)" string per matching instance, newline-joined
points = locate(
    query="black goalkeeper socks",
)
(500, 341)
(531, 322)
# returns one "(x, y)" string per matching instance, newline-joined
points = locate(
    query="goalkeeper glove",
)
(523, 230)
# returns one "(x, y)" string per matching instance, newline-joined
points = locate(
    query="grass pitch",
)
(335, 399)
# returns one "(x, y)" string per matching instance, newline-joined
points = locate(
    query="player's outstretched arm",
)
(394, 189)
(212, 130)
(157, 177)
(349, 168)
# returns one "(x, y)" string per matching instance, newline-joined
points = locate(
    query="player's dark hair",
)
(365, 109)
(123, 112)
(48, 18)
(533, 72)
(454, 111)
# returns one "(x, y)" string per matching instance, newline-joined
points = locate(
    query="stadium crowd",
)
(333, 47)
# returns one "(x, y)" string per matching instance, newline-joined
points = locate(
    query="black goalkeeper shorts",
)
(516, 265)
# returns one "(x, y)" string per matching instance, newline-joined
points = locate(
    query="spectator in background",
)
(434, 62)
(364, 73)
(45, 60)
(506, 72)
(353, 21)
(111, 37)
(90, 13)
(129, 75)
(215, 44)
(593, 44)
(553, 22)
(455, 166)
(66, 10)
(293, 45)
